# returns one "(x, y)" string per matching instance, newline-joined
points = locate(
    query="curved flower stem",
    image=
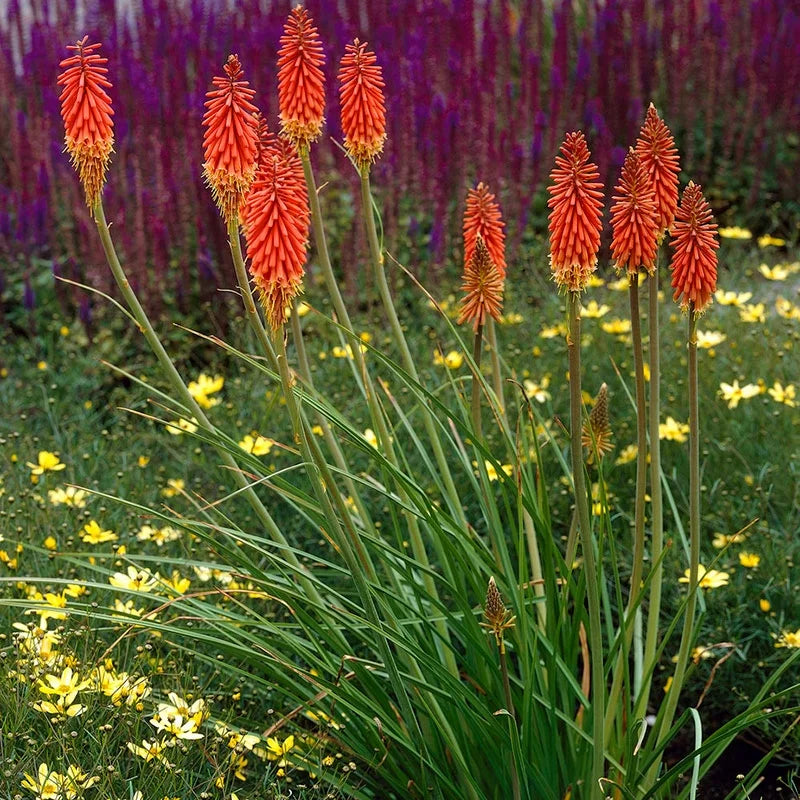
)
(688, 632)
(587, 546)
(654, 609)
(175, 380)
(400, 340)
(515, 789)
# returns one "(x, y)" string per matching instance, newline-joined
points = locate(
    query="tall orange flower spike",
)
(482, 286)
(482, 218)
(575, 220)
(231, 139)
(694, 240)
(276, 219)
(362, 104)
(301, 84)
(86, 111)
(634, 218)
(656, 148)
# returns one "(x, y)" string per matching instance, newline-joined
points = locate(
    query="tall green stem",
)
(515, 789)
(497, 375)
(587, 545)
(189, 402)
(400, 340)
(654, 609)
(477, 351)
(688, 632)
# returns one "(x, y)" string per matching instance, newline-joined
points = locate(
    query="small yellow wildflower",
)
(627, 455)
(595, 282)
(770, 241)
(709, 578)
(175, 486)
(64, 330)
(732, 298)
(142, 461)
(735, 233)
(514, 318)
(70, 496)
(149, 751)
(176, 726)
(50, 543)
(764, 604)
(789, 639)
(134, 580)
(749, 560)
(453, 360)
(64, 706)
(776, 273)
(277, 751)
(371, 438)
(493, 474)
(783, 394)
(733, 393)
(753, 312)
(181, 426)
(46, 785)
(65, 683)
(787, 309)
(617, 326)
(553, 331)
(159, 536)
(723, 540)
(537, 391)
(42, 365)
(92, 533)
(317, 430)
(709, 339)
(45, 462)
(205, 386)
(256, 444)
(594, 311)
(302, 308)
(673, 431)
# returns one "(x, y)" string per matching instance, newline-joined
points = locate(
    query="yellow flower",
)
(346, 351)
(492, 473)
(735, 233)
(198, 711)
(92, 533)
(787, 309)
(722, 540)
(733, 393)
(142, 461)
(68, 497)
(256, 444)
(371, 438)
(453, 360)
(64, 706)
(749, 560)
(42, 365)
(64, 330)
(627, 454)
(753, 313)
(511, 319)
(709, 578)
(617, 326)
(365, 337)
(732, 298)
(668, 684)
(317, 430)
(764, 604)
(127, 609)
(160, 536)
(46, 462)
(46, 785)
(135, 580)
(622, 284)
(302, 308)
(770, 241)
(174, 487)
(593, 311)
(177, 583)
(63, 684)
(595, 282)
(673, 431)
(182, 426)
(708, 339)
(205, 386)
(176, 726)
(277, 751)
(149, 751)
(776, 273)
(783, 394)
(789, 639)
(537, 391)
(553, 331)
(50, 543)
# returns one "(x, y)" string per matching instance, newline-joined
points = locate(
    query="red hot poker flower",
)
(231, 139)
(276, 220)
(656, 148)
(301, 84)
(482, 286)
(694, 240)
(86, 111)
(634, 218)
(482, 218)
(362, 104)
(575, 220)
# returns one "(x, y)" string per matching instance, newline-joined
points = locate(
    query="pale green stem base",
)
(497, 375)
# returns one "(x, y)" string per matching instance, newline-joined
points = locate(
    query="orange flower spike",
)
(275, 221)
(694, 241)
(231, 139)
(301, 84)
(482, 286)
(482, 218)
(86, 111)
(656, 148)
(362, 104)
(634, 218)
(575, 220)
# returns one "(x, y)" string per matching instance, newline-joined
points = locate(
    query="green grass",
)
(96, 419)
